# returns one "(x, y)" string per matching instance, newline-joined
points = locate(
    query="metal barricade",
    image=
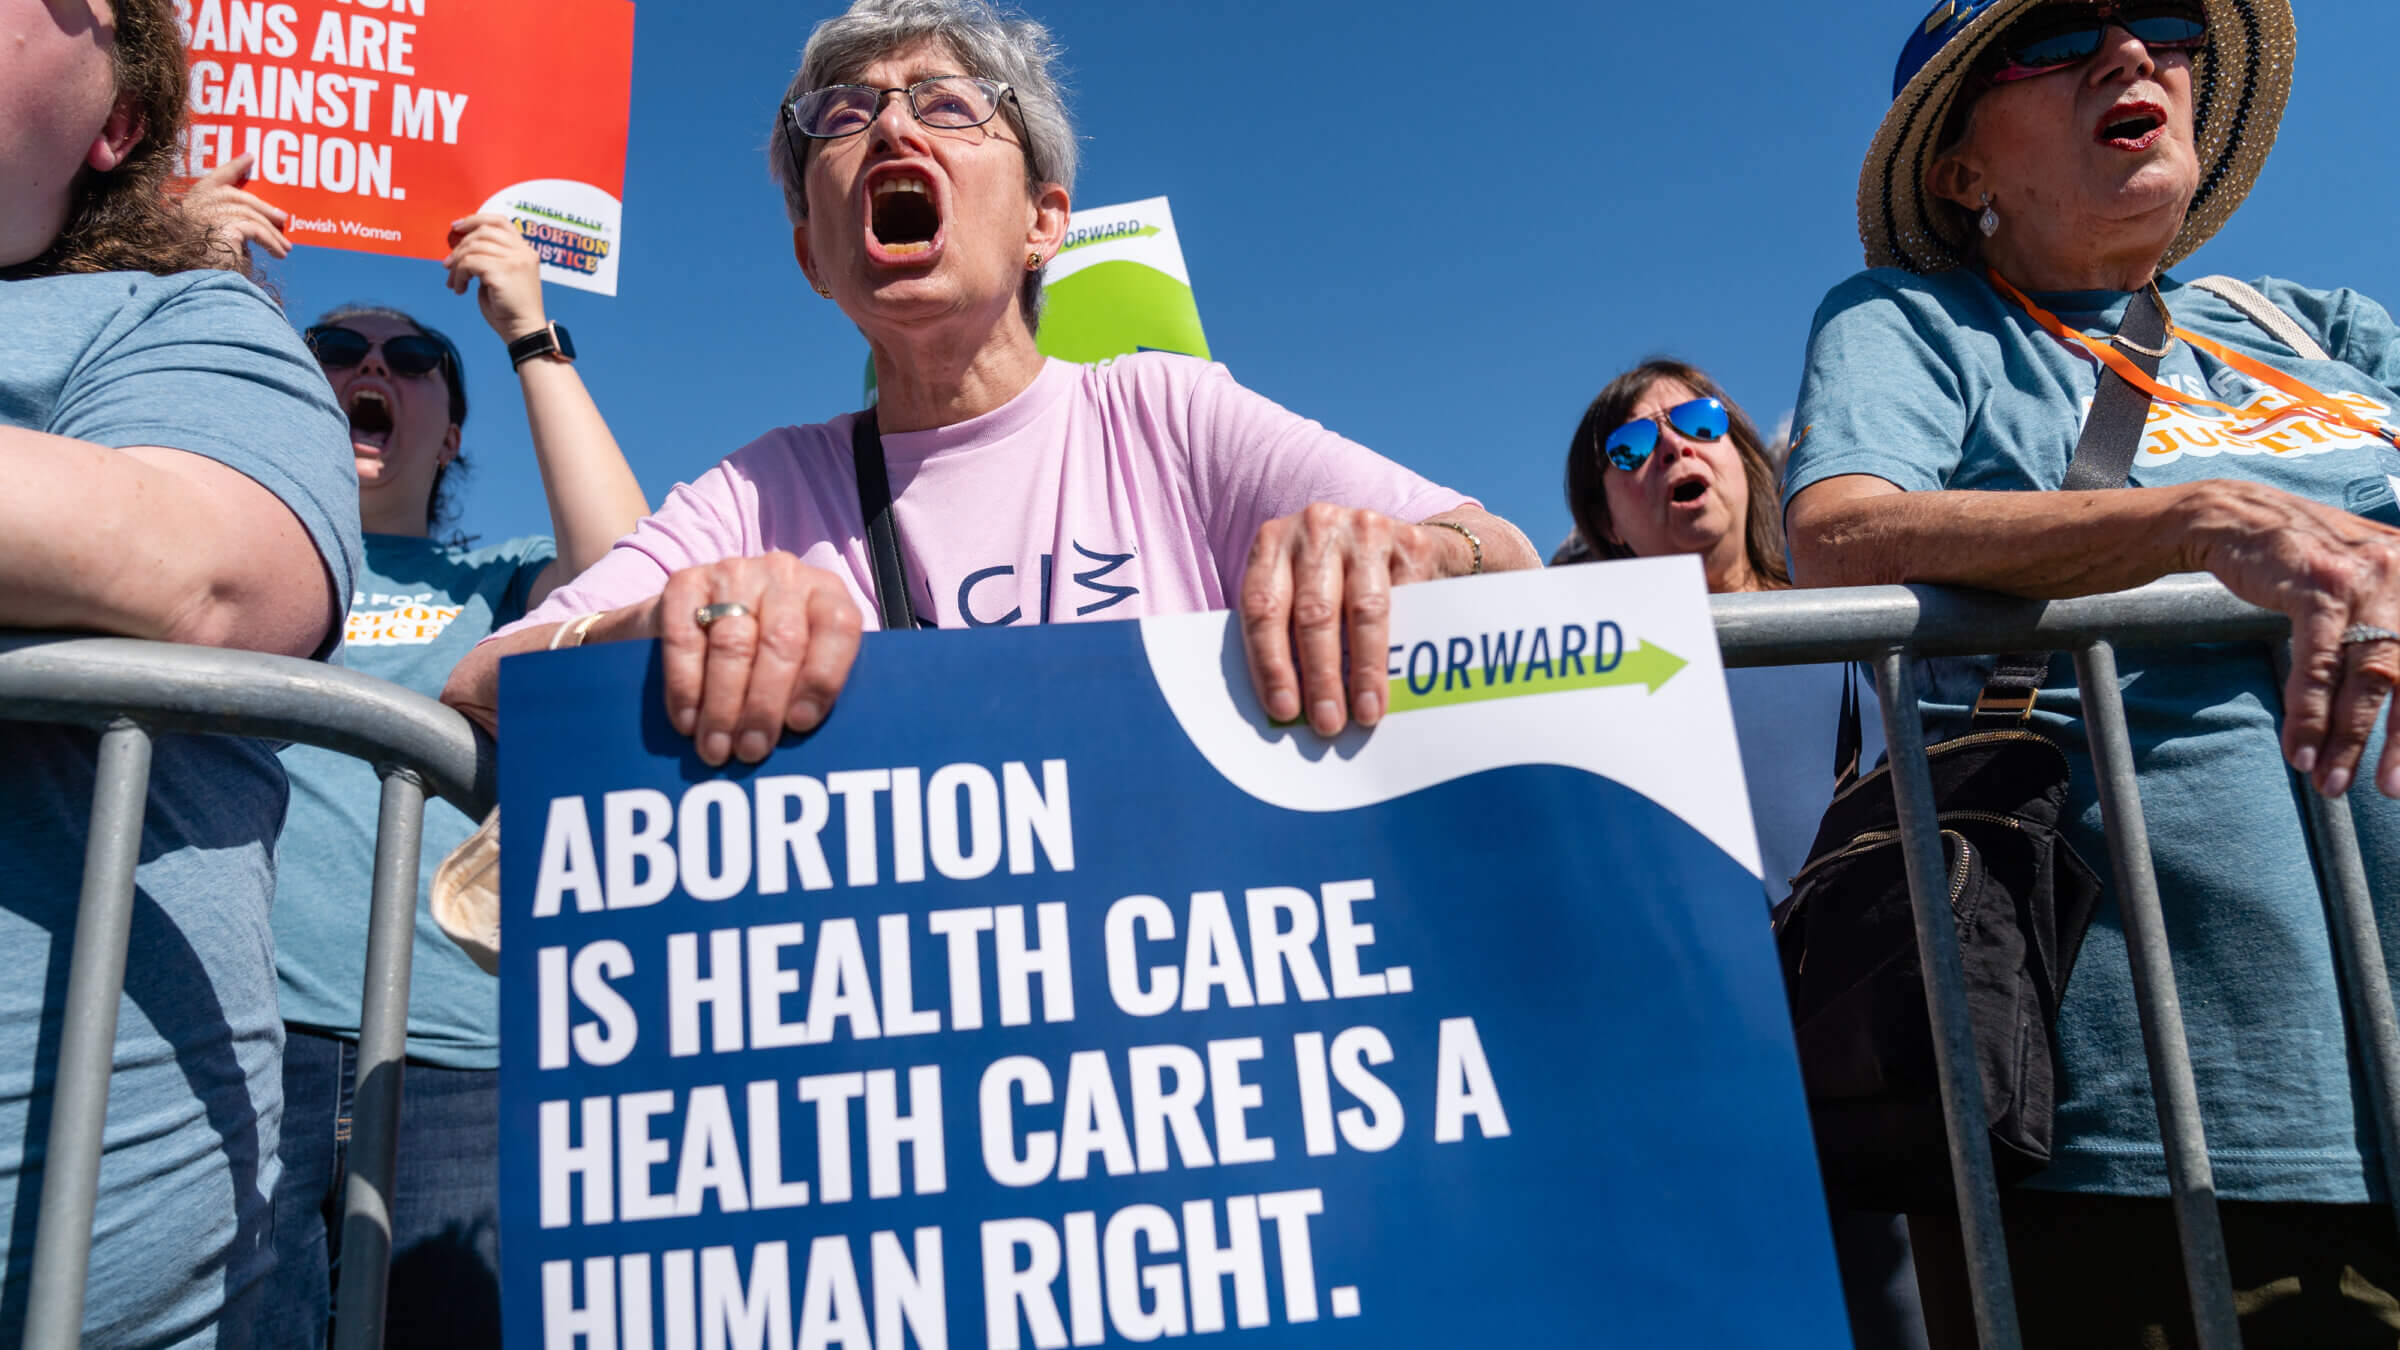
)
(131, 692)
(1889, 627)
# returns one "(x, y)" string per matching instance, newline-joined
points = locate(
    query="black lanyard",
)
(883, 539)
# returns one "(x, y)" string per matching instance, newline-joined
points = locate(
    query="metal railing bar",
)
(2366, 984)
(2190, 1181)
(1783, 628)
(1963, 1112)
(2357, 950)
(91, 681)
(62, 1242)
(366, 1234)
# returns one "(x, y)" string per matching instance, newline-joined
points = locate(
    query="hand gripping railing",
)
(1891, 626)
(130, 692)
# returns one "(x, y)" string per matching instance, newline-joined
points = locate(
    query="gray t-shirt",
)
(203, 362)
(1941, 382)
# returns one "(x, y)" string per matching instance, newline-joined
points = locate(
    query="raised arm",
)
(2327, 569)
(154, 543)
(237, 218)
(594, 498)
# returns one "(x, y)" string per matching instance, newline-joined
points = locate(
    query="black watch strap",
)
(550, 340)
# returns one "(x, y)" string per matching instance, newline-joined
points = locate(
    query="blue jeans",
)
(445, 1281)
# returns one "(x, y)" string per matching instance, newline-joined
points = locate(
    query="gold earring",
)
(1033, 262)
(825, 290)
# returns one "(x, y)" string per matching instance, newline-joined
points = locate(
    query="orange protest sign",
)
(378, 122)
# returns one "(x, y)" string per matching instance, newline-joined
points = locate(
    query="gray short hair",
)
(991, 42)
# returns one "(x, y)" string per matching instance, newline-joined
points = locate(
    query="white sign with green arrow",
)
(1610, 668)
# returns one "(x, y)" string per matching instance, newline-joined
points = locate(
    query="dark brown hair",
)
(1587, 467)
(123, 220)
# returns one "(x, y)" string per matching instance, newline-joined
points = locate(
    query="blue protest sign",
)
(1049, 996)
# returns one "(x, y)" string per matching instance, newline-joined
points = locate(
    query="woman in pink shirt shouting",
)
(927, 162)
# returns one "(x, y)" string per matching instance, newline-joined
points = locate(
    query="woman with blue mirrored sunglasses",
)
(1663, 463)
(1701, 419)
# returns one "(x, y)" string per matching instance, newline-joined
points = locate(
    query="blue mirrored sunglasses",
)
(1702, 419)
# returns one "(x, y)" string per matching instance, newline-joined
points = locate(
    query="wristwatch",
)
(551, 340)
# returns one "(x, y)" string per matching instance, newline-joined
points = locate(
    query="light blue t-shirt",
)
(1941, 382)
(419, 606)
(203, 362)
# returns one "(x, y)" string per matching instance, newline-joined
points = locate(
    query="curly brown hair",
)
(123, 220)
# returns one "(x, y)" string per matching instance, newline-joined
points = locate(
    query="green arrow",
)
(1116, 307)
(1648, 665)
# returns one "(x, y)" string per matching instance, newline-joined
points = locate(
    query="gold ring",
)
(729, 609)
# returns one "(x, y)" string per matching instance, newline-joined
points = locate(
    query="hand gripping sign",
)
(376, 123)
(1050, 996)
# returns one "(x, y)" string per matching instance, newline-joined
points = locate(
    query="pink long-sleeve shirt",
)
(1101, 492)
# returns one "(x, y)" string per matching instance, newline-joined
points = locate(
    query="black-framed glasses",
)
(1702, 419)
(2054, 38)
(950, 102)
(407, 355)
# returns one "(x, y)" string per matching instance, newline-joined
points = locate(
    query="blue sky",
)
(1438, 229)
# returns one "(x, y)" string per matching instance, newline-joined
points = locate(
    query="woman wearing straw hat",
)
(2041, 166)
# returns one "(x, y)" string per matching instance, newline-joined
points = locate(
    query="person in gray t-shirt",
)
(421, 602)
(175, 469)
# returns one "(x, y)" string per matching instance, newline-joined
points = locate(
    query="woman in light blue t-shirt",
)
(1664, 463)
(2040, 169)
(418, 605)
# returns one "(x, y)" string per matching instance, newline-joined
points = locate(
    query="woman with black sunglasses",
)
(419, 604)
(2041, 166)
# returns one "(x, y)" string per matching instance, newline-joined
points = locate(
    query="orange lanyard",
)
(2306, 398)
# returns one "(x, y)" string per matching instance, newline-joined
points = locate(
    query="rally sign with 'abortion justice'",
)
(376, 123)
(1050, 996)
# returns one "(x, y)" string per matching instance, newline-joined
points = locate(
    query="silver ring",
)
(2367, 632)
(729, 609)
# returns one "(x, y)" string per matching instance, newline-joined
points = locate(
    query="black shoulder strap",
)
(883, 541)
(1849, 741)
(2103, 459)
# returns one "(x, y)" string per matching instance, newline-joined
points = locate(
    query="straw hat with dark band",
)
(2240, 81)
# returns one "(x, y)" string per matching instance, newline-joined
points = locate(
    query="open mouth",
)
(370, 421)
(2132, 126)
(903, 221)
(1688, 491)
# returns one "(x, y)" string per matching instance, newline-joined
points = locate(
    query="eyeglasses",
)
(408, 355)
(950, 102)
(1702, 419)
(2054, 39)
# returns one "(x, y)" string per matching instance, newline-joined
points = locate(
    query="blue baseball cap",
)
(1948, 21)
